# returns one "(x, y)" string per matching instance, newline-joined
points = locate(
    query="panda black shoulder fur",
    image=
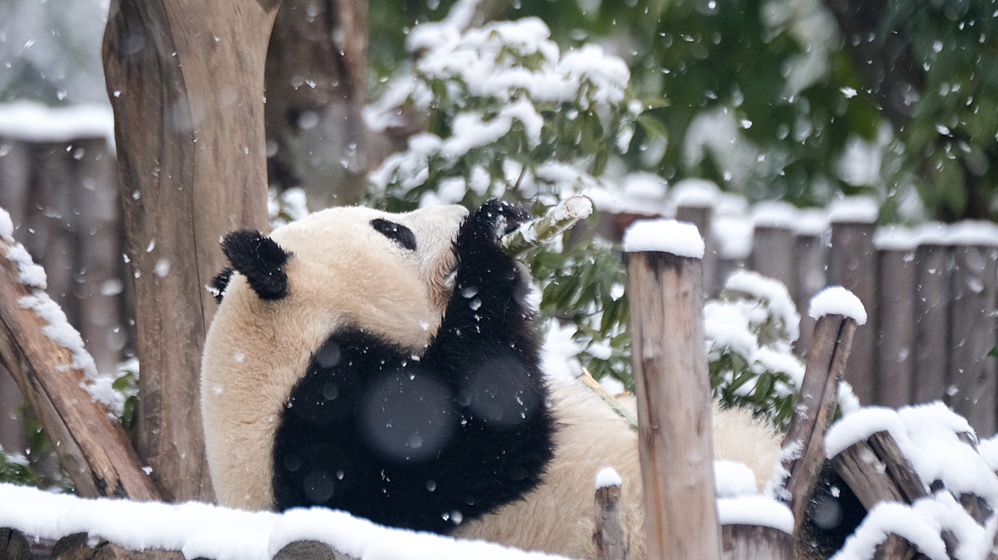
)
(386, 365)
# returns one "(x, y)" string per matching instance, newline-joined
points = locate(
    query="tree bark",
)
(185, 79)
(815, 408)
(91, 445)
(674, 406)
(315, 83)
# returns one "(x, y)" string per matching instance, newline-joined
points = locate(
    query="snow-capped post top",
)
(607, 476)
(665, 288)
(836, 300)
(664, 236)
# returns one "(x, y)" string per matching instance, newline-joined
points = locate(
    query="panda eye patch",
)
(396, 232)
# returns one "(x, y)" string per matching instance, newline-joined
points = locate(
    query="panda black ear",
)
(261, 260)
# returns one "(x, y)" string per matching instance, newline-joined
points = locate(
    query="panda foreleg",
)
(426, 442)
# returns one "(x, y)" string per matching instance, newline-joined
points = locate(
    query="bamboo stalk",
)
(556, 221)
(609, 399)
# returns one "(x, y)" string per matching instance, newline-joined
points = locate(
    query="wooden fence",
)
(930, 292)
(58, 182)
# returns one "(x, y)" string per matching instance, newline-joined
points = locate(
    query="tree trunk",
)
(185, 79)
(315, 83)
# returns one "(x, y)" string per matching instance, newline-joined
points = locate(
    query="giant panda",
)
(386, 365)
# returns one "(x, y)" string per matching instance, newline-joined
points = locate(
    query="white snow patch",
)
(774, 214)
(855, 209)
(204, 530)
(58, 329)
(733, 479)
(699, 193)
(6, 227)
(665, 236)
(836, 300)
(33, 121)
(771, 291)
(608, 476)
(558, 354)
(734, 235)
(755, 510)
(811, 221)
(28, 273)
(928, 435)
(921, 524)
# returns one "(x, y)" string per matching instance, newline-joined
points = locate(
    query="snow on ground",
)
(204, 530)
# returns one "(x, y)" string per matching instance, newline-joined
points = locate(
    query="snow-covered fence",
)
(931, 291)
(59, 184)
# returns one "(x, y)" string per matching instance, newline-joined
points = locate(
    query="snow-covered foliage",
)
(749, 332)
(286, 207)
(508, 113)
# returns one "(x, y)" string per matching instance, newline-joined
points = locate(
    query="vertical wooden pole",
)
(608, 535)
(185, 79)
(815, 407)
(895, 344)
(809, 258)
(852, 263)
(701, 216)
(674, 406)
(772, 254)
(932, 327)
(972, 370)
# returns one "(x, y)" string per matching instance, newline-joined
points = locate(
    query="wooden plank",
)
(972, 372)
(852, 263)
(815, 407)
(895, 343)
(100, 279)
(185, 79)
(932, 328)
(674, 406)
(809, 258)
(15, 179)
(772, 254)
(701, 217)
(876, 470)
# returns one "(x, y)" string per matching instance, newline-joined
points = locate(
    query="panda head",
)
(385, 274)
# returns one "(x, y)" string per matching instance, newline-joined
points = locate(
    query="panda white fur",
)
(385, 364)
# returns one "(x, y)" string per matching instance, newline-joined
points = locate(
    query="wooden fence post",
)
(809, 257)
(932, 326)
(701, 215)
(185, 79)
(816, 401)
(895, 343)
(674, 403)
(851, 264)
(972, 371)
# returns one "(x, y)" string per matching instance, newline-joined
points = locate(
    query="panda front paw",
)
(497, 218)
